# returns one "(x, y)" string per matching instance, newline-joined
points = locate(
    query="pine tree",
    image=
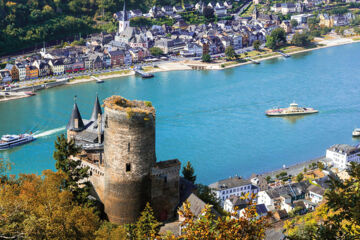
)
(147, 226)
(188, 173)
(73, 170)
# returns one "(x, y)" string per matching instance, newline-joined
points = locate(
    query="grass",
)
(112, 73)
(356, 39)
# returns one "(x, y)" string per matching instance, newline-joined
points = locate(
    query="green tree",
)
(206, 58)
(294, 23)
(147, 226)
(73, 170)
(320, 165)
(205, 194)
(208, 13)
(230, 52)
(257, 45)
(109, 231)
(299, 177)
(276, 39)
(188, 172)
(155, 51)
(140, 22)
(301, 39)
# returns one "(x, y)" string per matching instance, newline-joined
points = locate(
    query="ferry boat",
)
(294, 109)
(9, 141)
(356, 132)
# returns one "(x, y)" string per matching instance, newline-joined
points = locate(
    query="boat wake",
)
(39, 134)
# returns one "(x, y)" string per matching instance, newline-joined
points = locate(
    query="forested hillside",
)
(25, 23)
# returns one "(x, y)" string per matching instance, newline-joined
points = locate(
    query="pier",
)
(283, 54)
(98, 80)
(252, 60)
(143, 74)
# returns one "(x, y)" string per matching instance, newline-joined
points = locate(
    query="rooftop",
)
(344, 149)
(229, 183)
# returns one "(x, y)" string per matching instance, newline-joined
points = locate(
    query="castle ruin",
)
(118, 146)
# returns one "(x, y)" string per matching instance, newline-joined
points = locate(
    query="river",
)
(215, 119)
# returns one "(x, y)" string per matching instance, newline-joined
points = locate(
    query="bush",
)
(206, 58)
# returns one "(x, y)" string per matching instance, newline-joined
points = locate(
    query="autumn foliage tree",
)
(188, 172)
(36, 207)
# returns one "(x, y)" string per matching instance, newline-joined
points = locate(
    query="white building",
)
(22, 71)
(316, 194)
(341, 154)
(233, 186)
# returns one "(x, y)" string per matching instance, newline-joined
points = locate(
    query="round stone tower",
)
(129, 149)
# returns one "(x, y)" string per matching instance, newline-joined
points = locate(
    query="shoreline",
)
(184, 65)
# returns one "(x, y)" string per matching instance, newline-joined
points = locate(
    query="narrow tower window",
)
(128, 167)
(106, 122)
(128, 147)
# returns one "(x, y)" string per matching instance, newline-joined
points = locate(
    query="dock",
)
(283, 54)
(252, 60)
(143, 74)
(98, 80)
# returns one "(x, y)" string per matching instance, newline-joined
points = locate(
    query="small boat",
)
(30, 93)
(9, 141)
(294, 109)
(99, 81)
(356, 132)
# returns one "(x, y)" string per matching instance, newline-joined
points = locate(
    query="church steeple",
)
(96, 110)
(124, 22)
(75, 123)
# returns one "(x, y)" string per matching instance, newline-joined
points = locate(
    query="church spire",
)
(96, 110)
(75, 123)
(125, 16)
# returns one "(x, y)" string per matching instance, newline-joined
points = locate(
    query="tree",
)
(147, 226)
(188, 172)
(320, 165)
(299, 177)
(37, 207)
(230, 52)
(109, 231)
(257, 45)
(75, 173)
(208, 13)
(276, 39)
(140, 22)
(294, 23)
(155, 51)
(338, 217)
(211, 227)
(205, 194)
(206, 58)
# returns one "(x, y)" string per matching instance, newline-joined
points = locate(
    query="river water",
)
(215, 119)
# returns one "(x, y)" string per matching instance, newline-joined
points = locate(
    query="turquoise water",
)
(215, 119)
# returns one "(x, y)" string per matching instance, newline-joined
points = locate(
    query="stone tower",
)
(129, 147)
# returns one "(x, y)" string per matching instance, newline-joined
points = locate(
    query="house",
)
(261, 211)
(117, 58)
(280, 214)
(312, 3)
(220, 11)
(259, 181)
(316, 193)
(32, 72)
(234, 202)
(342, 154)
(212, 4)
(178, 9)
(168, 10)
(57, 66)
(279, 197)
(21, 68)
(192, 49)
(257, 2)
(199, 6)
(14, 72)
(228, 4)
(137, 54)
(301, 18)
(5, 76)
(236, 186)
(43, 67)
(286, 26)
(135, 13)
(188, 6)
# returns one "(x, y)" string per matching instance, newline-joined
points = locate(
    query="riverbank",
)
(332, 41)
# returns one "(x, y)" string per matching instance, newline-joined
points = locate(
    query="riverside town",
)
(149, 120)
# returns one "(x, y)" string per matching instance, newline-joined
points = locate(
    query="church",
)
(133, 36)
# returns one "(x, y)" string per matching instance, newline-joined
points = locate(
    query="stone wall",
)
(129, 147)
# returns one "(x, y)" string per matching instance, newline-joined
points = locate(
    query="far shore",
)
(188, 65)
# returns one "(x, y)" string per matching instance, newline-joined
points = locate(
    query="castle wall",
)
(165, 188)
(96, 178)
(129, 146)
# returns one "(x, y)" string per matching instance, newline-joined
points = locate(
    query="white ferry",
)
(356, 132)
(9, 141)
(294, 109)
